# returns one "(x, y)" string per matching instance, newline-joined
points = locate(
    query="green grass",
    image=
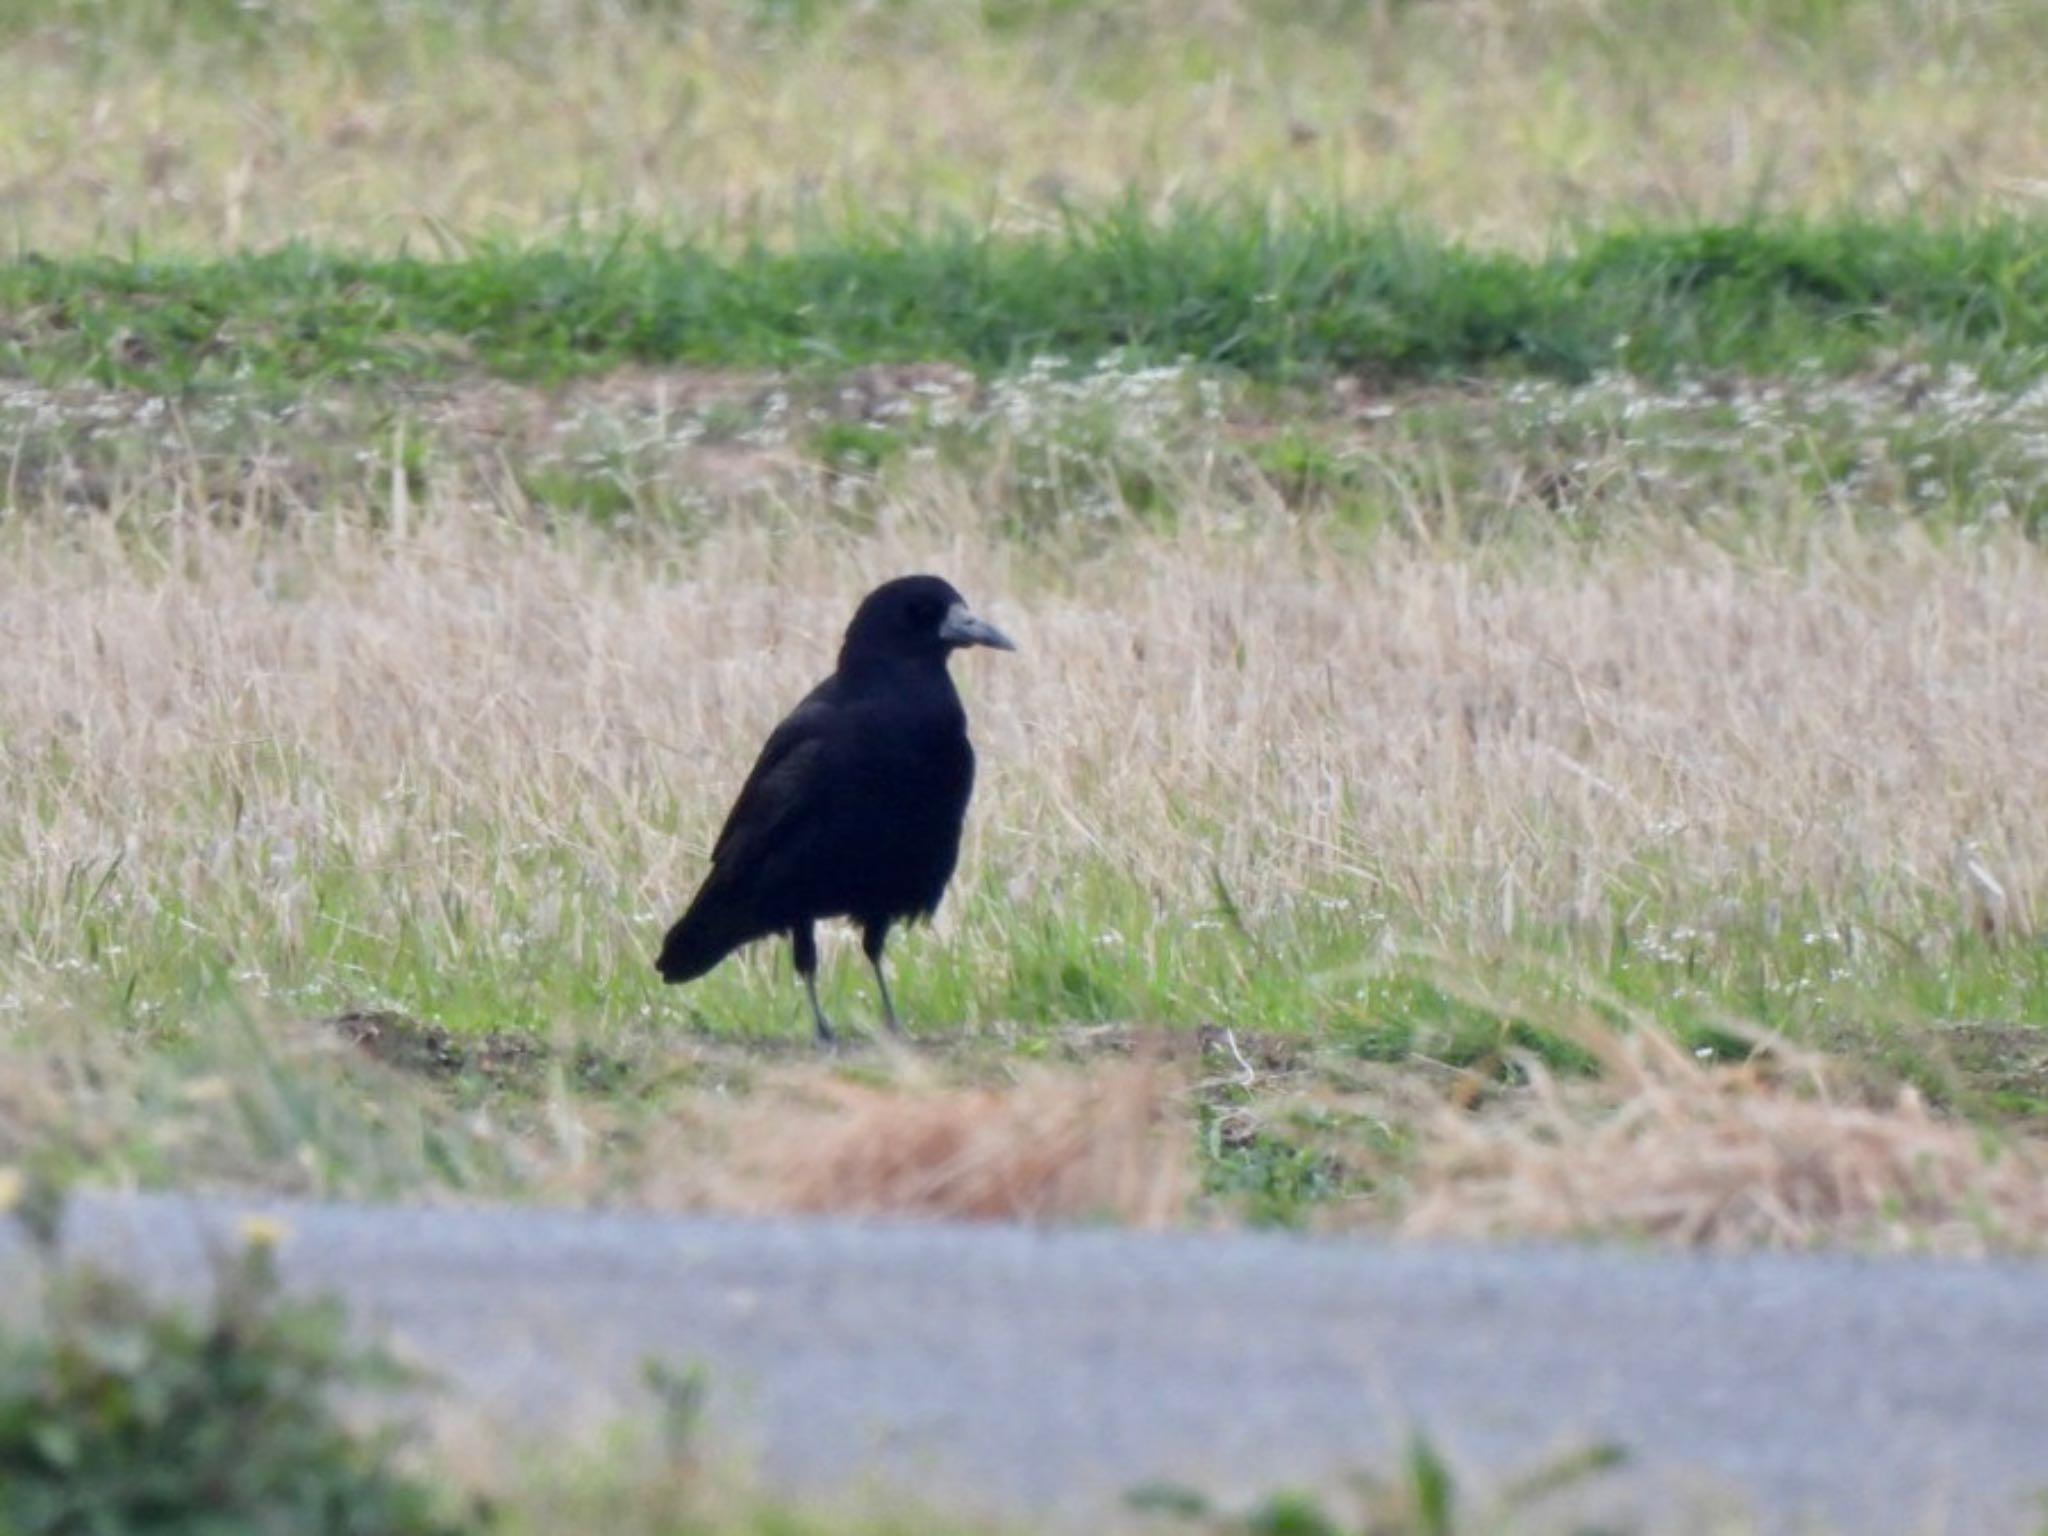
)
(1308, 296)
(1372, 985)
(198, 1074)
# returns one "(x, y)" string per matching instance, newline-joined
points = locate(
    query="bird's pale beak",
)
(960, 627)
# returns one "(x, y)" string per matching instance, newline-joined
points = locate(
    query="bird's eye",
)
(926, 614)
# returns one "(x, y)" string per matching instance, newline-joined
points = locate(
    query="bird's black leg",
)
(804, 946)
(872, 937)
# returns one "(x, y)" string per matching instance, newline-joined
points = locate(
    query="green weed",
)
(120, 1415)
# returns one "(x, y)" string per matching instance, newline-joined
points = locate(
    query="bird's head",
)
(912, 617)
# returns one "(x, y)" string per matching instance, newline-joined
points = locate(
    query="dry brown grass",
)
(1691, 1154)
(313, 1110)
(1475, 743)
(1495, 119)
(1053, 1147)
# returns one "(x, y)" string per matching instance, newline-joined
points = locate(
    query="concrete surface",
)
(1045, 1372)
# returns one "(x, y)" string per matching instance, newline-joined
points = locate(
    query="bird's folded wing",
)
(787, 787)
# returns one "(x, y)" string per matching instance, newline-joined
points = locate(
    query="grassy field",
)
(1442, 726)
(1441, 643)
(1522, 524)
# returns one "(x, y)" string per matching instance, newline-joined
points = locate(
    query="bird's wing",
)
(787, 785)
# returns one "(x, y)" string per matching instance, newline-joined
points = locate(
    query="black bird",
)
(855, 805)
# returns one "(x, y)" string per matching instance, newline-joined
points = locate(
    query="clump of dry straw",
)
(1693, 1153)
(1053, 1147)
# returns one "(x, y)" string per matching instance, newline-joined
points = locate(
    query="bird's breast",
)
(931, 769)
(907, 804)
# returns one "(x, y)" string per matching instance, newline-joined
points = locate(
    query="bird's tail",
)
(701, 938)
